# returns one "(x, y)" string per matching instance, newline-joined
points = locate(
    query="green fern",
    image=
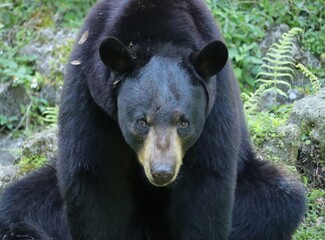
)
(277, 67)
(278, 64)
(312, 78)
(51, 115)
(251, 100)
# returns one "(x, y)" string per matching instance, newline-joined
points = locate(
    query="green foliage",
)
(244, 24)
(313, 226)
(276, 71)
(263, 126)
(19, 23)
(310, 16)
(20, 70)
(51, 115)
(27, 164)
(42, 12)
(313, 79)
(71, 17)
(277, 64)
(242, 31)
(8, 122)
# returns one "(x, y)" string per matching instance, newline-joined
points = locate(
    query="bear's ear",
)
(211, 59)
(116, 55)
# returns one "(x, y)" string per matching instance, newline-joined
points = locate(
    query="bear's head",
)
(162, 105)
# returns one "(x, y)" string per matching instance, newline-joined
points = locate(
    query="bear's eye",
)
(183, 124)
(142, 123)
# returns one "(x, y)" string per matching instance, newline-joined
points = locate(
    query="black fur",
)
(98, 188)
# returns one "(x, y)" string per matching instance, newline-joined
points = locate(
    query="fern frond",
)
(312, 78)
(276, 91)
(273, 61)
(278, 63)
(275, 75)
(278, 56)
(277, 66)
(272, 84)
(251, 100)
(284, 46)
(273, 68)
(51, 115)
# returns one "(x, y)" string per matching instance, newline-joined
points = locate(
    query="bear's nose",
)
(162, 174)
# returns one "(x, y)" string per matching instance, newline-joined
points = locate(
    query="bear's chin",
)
(160, 184)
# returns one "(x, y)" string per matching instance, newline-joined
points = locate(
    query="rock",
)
(11, 98)
(9, 153)
(7, 175)
(309, 114)
(285, 146)
(51, 47)
(51, 94)
(320, 221)
(273, 35)
(10, 150)
(301, 142)
(17, 156)
(42, 144)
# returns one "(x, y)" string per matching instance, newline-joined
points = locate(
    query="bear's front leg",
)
(99, 212)
(201, 207)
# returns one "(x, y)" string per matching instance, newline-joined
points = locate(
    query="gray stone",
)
(11, 98)
(10, 152)
(273, 35)
(7, 175)
(309, 114)
(51, 94)
(43, 143)
(52, 49)
(47, 48)
(285, 146)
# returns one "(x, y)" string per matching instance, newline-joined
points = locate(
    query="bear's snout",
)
(161, 156)
(162, 174)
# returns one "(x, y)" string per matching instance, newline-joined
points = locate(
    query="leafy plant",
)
(27, 164)
(244, 24)
(17, 12)
(276, 72)
(277, 64)
(242, 31)
(313, 79)
(7, 122)
(313, 226)
(51, 115)
(20, 71)
(309, 16)
(263, 125)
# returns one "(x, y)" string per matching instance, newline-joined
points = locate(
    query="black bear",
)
(152, 140)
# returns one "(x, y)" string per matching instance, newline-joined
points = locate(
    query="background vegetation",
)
(243, 23)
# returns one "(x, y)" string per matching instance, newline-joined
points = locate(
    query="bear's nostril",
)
(162, 174)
